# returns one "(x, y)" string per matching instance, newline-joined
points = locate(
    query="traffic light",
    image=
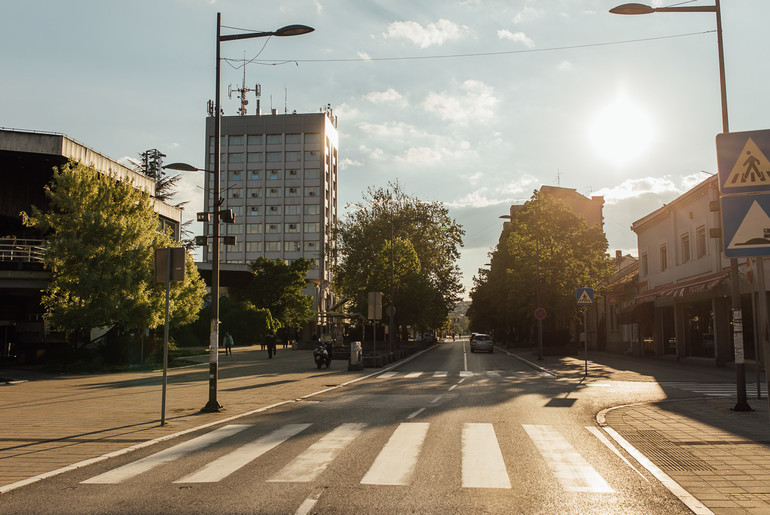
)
(203, 217)
(229, 240)
(200, 241)
(227, 216)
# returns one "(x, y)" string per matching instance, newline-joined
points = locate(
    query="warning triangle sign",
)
(754, 231)
(585, 298)
(752, 168)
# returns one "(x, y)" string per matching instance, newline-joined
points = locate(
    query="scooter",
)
(321, 356)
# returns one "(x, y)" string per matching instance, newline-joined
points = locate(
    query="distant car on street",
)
(482, 342)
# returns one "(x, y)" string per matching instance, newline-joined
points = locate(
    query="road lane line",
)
(573, 472)
(453, 387)
(436, 399)
(598, 434)
(440, 373)
(415, 413)
(675, 488)
(132, 469)
(308, 465)
(483, 465)
(240, 457)
(395, 463)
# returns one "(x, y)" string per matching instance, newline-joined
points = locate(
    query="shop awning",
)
(684, 288)
(637, 313)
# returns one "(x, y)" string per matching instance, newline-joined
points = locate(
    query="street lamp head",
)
(182, 167)
(293, 30)
(632, 9)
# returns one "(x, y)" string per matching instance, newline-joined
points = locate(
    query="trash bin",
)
(356, 355)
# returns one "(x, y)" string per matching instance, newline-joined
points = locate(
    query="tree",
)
(101, 236)
(426, 241)
(547, 251)
(278, 287)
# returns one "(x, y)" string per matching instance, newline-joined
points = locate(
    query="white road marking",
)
(306, 506)
(229, 463)
(598, 434)
(493, 373)
(440, 373)
(387, 375)
(132, 469)
(573, 472)
(686, 497)
(395, 463)
(483, 465)
(436, 399)
(412, 375)
(466, 373)
(308, 465)
(416, 413)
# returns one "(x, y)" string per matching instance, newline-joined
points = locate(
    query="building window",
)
(292, 192)
(291, 228)
(274, 139)
(274, 210)
(234, 228)
(273, 229)
(292, 174)
(255, 175)
(292, 139)
(235, 140)
(253, 228)
(235, 157)
(253, 246)
(312, 227)
(663, 258)
(274, 192)
(255, 210)
(643, 265)
(312, 192)
(311, 245)
(273, 246)
(700, 241)
(292, 209)
(234, 193)
(237, 211)
(254, 192)
(234, 175)
(274, 157)
(291, 246)
(274, 175)
(313, 173)
(254, 157)
(685, 238)
(255, 139)
(313, 209)
(312, 155)
(312, 137)
(293, 156)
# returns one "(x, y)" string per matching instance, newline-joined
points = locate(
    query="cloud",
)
(432, 34)
(514, 192)
(565, 66)
(526, 14)
(519, 37)
(349, 163)
(635, 188)
(388, 96)
(478, 104)
(364, 55)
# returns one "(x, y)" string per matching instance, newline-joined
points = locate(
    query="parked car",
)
(482, 342)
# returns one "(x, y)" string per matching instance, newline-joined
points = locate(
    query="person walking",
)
(270, 341)
(228, 344)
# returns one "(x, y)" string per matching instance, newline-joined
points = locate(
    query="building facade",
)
(279, 176)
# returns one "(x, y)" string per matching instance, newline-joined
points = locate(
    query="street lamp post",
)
(289, 30)
(735, 293)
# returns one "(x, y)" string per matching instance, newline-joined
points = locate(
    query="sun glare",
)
(621, 131)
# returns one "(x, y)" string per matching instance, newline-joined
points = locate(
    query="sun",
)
(621, 131)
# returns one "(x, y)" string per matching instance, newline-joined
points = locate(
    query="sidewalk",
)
(50, 422)
(716, 455)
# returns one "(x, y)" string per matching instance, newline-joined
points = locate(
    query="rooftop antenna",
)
(243, 90)
(558, 177)
(285, 99)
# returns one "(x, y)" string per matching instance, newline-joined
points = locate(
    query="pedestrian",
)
(228, 344)
(270, 341)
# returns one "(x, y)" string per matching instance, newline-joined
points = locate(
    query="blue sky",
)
(475, 103)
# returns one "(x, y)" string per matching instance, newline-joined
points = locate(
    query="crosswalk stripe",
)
(412, 375)
(493, 373)
(482, 460)
(466, 373)
(308, 465)
(573, 472)
(440, 373)
(125, 472)
(387, 375)
(395, 463)
(229, 463)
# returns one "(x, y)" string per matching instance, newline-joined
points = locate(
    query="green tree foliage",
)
(102, 235)
(247, 323)
(426, 244)
(278, 287)
(545, 236)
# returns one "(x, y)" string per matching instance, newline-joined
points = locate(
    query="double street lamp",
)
(735, 294)
(289, 30)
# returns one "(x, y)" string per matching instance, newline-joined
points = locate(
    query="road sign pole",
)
(585, 337)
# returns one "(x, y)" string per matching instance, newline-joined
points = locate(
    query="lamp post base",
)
(212, 407)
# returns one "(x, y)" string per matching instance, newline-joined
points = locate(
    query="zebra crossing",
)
(713, 389)
(483, 464)
(444, 374)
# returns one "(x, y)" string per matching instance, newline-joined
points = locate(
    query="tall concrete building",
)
(279, 176)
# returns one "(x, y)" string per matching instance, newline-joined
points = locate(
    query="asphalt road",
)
(448, 432)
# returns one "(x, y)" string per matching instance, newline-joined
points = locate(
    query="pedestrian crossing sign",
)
(742, 161)
(585, 296)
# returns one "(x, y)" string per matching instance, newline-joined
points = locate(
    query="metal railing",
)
(24, 251)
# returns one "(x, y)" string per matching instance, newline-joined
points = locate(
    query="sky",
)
(473, 103)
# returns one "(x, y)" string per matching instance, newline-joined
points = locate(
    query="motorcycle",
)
(321, 356)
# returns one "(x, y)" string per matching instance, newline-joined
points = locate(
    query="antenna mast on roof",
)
(243, 90)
